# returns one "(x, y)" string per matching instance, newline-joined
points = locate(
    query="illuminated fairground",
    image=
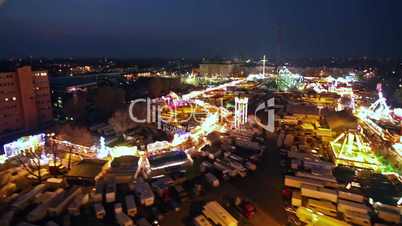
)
(378, 114)
(191, 116)
(380, 111)
(397, 150)
(350, 149)
(287, 80)
(311, 217)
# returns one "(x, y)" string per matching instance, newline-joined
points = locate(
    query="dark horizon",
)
(193, 29)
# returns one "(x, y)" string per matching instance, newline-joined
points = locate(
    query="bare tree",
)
(51, 147)
(76, 135)
(121, 122)
(30, 160)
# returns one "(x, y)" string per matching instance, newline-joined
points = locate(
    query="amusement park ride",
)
(287, 80)
(379, 110)
(240, 112)
(349, 148)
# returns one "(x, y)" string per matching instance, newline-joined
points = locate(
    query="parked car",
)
(246, 207)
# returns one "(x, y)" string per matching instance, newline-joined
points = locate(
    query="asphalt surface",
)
(262, 187)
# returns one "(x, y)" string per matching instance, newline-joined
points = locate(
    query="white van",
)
(144, 193)
(131, 206)
(118, 208)
(201, 220)
(344, 205)
(322, 206)
(296, 199)
(99, 211)
(357, 218)
(110, 192)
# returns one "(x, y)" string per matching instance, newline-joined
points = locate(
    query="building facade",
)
(24, 100)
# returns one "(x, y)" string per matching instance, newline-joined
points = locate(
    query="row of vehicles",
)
(323, 195)
(230, 160)
(45, 200)
(157, 194)
(150, 196)
(233, 159)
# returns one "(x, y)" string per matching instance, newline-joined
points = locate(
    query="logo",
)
(154, 108)
(267, 106)
(151, 111)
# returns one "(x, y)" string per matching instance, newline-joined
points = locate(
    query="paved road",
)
(263, 187)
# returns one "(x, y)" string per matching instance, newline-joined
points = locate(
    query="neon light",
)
(179, 139)
(350, 149)
(43, 160)
(379, 110)
(240, 111)
(157, 146)
(169, 165)
(3, 159)
(14, 148)
(287, 80)
(398, 147)
(102, 151)
(123, 151)
(397, 113)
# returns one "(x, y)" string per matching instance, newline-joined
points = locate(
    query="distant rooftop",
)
(340, 120)
(87, 168)
(302, 109)
(170, 157)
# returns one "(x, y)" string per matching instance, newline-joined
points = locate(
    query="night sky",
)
(197, 28)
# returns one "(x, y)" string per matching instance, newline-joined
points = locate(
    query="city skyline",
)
(285, 29)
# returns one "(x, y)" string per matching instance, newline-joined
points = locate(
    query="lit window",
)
(6, 99)
(14, 98)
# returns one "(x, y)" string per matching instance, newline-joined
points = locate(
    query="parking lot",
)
(262, 187)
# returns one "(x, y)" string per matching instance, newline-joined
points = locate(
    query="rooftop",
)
(87, 168)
